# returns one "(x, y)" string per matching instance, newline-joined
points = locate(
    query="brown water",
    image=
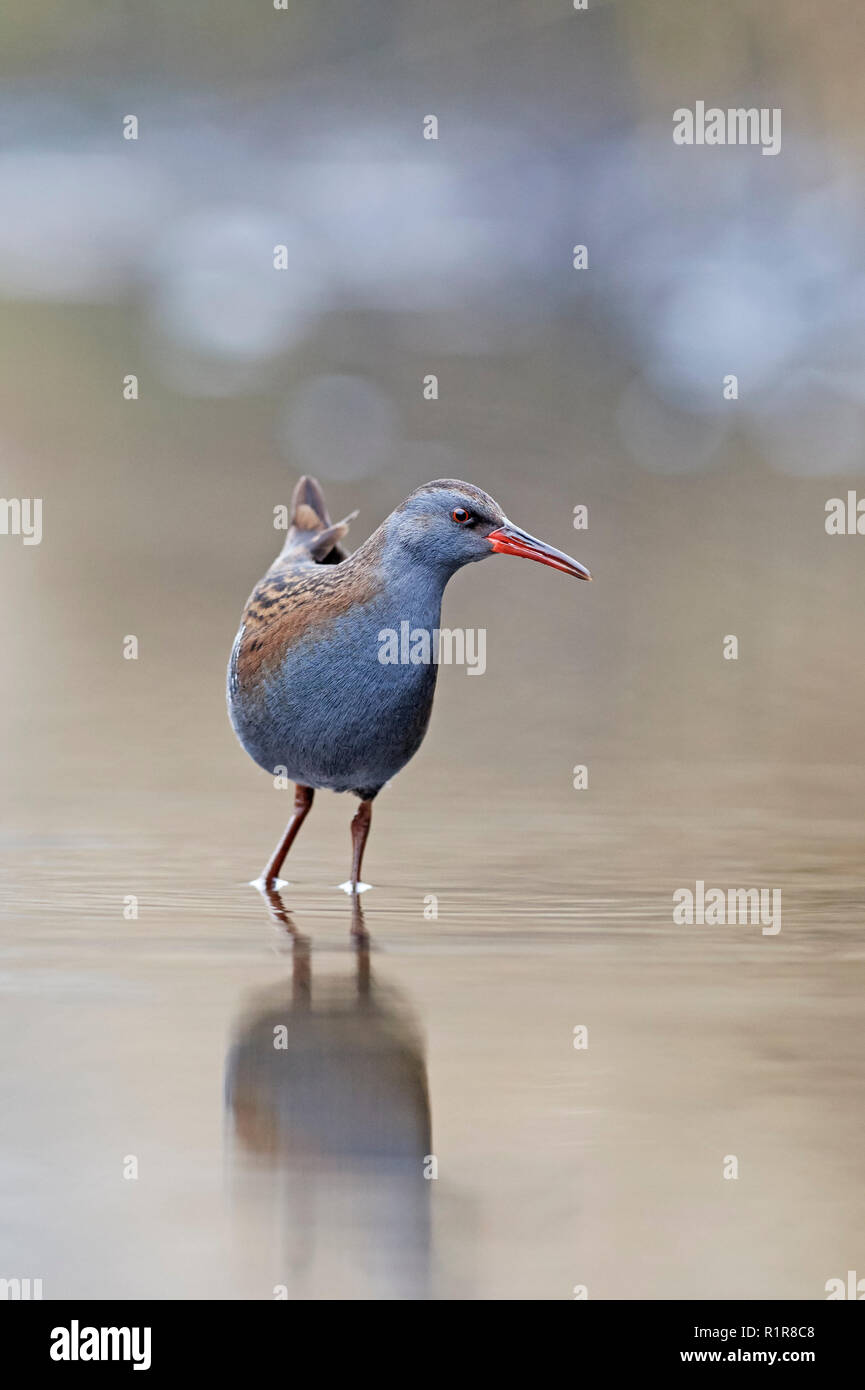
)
(148, 1040)
(302, 1166)
(152, 1037)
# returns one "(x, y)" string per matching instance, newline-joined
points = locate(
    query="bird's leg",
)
(301, 973)
(359, 830)
(364, 975)
(302, 802)
(359, 933)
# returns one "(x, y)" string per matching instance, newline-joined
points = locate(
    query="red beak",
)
(510, 540)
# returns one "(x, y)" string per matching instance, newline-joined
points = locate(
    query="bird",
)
(328, 1099)
(309, 697)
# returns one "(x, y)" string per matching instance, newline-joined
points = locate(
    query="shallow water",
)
(301, 1167)
(153, 1141)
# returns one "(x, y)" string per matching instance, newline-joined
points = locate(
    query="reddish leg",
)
(302, 802)
(359, 831)
(360, 937)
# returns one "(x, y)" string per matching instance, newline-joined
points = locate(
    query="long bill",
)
(510, 540)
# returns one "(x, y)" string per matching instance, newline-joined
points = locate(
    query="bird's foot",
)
(265, 885)
(350, 887)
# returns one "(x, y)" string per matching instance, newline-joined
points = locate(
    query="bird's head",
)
(447, 524)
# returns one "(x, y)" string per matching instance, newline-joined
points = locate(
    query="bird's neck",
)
(409, 577)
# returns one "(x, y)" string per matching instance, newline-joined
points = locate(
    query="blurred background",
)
(558, 387)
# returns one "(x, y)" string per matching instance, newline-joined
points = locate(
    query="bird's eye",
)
(460, 515)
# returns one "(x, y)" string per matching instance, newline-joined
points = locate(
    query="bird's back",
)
(307, 694)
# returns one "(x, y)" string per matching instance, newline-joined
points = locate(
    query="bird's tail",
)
(312, 533)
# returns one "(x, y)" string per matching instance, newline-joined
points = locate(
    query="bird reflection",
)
(329, 1119)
